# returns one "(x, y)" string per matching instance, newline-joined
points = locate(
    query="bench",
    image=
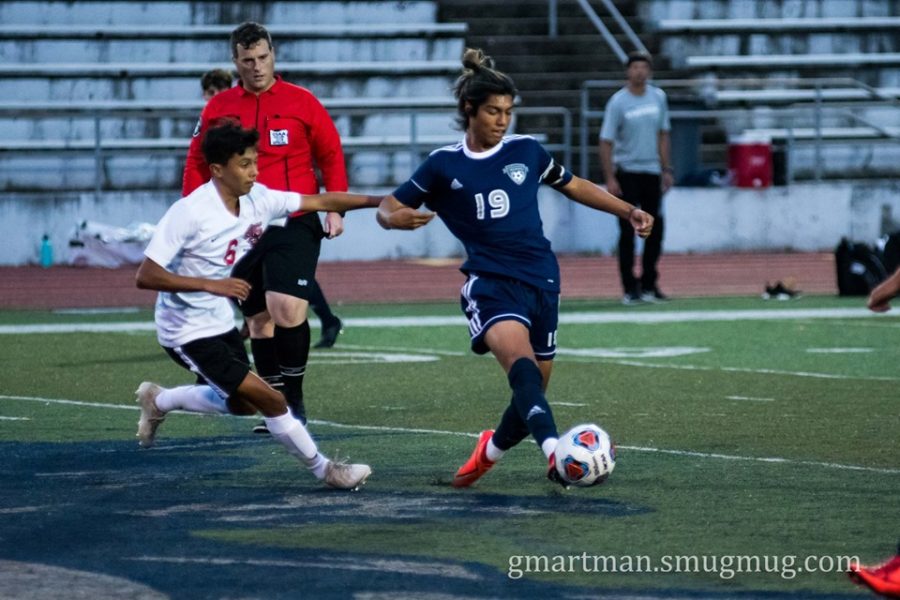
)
(93, 108)
(351, 143)
(335, 69)
(850, 59)
(803, 95)
(222, 32)
(181, 144)
(716, 26)
(827, 133)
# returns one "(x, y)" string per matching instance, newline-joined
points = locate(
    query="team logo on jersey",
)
(517, 172)
(253, 233)
(196, 129)
(455, 184)
(278, 137)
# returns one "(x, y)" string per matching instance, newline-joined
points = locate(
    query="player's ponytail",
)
(479, 79)
(474, 58)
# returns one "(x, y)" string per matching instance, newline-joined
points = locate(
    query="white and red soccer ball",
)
(585, 455)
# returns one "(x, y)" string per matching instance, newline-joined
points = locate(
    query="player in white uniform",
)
(188, 261)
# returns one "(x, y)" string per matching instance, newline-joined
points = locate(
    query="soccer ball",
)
(585, 455)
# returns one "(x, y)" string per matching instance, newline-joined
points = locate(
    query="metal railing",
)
(565, 146)
(594, 18)
(415, 142)
(827, 96)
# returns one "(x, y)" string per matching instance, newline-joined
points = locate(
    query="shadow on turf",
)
(107, 507)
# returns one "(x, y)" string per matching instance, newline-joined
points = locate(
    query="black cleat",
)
(654, 296)
(330, 334)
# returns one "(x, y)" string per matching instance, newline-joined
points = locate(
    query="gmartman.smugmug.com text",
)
(727, 566)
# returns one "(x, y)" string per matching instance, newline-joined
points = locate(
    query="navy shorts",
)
(284, 260)
(221, 361)
(488, 299)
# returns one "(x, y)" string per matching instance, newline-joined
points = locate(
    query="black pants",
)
(643, 190)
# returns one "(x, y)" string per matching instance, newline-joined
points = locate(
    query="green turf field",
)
(772, 436)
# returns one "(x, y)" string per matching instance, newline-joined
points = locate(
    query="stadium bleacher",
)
(796, 46)
(127, 73)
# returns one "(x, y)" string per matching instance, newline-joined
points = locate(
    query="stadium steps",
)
(547, 71)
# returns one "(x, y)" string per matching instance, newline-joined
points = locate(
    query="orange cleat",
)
(883, 579)
(477, 465)
(553, 475)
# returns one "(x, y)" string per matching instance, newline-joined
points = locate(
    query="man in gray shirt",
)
(635, 156)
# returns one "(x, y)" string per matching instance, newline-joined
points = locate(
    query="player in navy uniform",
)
(485, 190)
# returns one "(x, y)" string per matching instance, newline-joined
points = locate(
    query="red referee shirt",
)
(295, 132)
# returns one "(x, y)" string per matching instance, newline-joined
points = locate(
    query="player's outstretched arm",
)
(337, 202)
(591, 195)
(393, 214)
(880, 298)
(151, 276)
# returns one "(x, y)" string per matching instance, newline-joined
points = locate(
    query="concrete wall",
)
(809, 217)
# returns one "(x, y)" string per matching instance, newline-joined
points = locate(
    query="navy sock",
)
(292, 346)
(266, 361)
(511, 430)
(526, 381)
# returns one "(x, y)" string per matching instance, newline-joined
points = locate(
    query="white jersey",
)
(199, 237)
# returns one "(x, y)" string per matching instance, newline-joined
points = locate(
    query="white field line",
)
(591, 317)
(387, 429)
(378, 565)
(129, 310)
(750, 399)
(877, 323)
(840, 350)
(632, 363)
(364, 348)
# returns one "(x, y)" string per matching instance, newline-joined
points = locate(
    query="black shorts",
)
(221, 362)
(284, 260)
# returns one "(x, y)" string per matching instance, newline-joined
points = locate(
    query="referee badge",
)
(278, 137)
(516, 172)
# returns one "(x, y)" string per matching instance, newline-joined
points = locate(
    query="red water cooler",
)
(750, 161)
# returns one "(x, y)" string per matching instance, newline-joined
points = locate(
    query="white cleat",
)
(346, 476)
(151, 416)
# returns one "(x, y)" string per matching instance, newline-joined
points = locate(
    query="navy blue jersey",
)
(488, 200)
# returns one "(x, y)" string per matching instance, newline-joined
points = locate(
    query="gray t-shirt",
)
(632, 123)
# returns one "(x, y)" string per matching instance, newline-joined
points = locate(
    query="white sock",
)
(294, 436)
(492, 452)
(192, 398)
(549, 446)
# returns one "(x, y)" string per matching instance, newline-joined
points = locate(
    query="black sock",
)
(319, 305)
(266, 361)
(292, 346)
(511, 430)
(526, 381)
